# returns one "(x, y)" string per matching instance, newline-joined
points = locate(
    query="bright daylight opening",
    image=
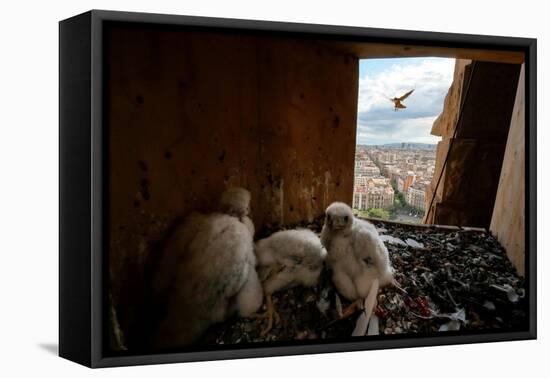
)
(399, 100)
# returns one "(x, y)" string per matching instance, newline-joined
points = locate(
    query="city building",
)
(408, 180)
(369, 197)
(376, 167)
(416, 196)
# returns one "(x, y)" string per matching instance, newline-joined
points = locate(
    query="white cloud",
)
(377, 121)
(429, 76)
(415, 130)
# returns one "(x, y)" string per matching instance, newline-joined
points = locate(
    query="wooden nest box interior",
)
(192, 112)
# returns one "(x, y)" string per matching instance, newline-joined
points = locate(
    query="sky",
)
(380, 79)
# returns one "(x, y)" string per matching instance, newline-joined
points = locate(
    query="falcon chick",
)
(287, 259)
(397, 100)
(357, 256)
(207, 272)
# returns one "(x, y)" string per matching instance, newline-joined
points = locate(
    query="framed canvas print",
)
(234, 188)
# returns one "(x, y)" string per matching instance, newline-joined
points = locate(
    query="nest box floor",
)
(455, 280)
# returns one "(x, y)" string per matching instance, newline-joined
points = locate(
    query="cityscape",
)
(391, 180)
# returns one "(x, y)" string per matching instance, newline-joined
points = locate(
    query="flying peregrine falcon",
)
(397, 100)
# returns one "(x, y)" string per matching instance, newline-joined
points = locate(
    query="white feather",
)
(356, 253)
(207, 272)
(290, 258)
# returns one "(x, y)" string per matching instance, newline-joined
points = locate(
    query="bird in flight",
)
(397, 100)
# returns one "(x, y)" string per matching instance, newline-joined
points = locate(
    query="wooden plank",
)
(191, 113)
(468, 186)
(308, 116)
(183, 126)
(364, 50)
(508, 220)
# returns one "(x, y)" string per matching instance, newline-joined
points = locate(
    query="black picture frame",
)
(83, 196)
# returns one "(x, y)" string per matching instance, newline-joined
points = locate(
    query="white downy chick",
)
(207, 272)
(358, 258)
(286, 259)
(235, 201)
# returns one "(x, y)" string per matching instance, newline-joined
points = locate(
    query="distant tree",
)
(361, 213)
(378, 213)
(393, 212)
(399, 199)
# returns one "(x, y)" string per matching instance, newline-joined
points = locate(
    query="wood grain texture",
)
(364, 50)
(508, 221)
(192, 113)
(469, 181)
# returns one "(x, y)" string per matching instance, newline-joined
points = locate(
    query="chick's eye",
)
(346, 218)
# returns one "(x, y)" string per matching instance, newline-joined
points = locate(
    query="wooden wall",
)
(307, 118)
(508, 221)
(191, 113)
(468, 186)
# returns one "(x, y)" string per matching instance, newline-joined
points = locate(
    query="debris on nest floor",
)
(454, 279)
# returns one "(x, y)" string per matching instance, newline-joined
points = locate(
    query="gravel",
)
(455, 280)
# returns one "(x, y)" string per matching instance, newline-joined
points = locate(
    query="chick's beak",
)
(335, 226)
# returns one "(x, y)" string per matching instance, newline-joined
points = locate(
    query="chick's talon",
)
(348, 311)
(270, 313)
(277, 317)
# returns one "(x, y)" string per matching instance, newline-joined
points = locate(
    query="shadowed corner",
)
(52, 348)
